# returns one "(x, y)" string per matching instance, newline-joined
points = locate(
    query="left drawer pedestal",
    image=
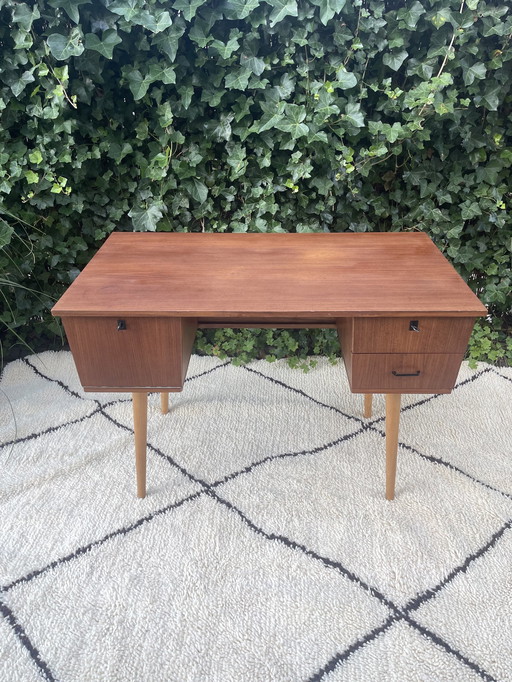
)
(131, 353)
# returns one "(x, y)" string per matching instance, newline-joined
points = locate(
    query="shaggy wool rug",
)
(265, 549)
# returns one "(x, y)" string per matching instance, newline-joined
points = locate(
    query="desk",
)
(403, 314)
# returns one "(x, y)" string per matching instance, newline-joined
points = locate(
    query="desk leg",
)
(392, 423)
(140, 423)
(164, 403)
(368, 398)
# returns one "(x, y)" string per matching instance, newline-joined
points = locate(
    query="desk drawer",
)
(403, 372)
(398, 335)
(130, 353)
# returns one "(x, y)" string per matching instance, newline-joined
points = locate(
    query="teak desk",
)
(403, 314)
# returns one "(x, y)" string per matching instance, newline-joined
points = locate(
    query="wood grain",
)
(393, 335)
(373, 372)
(392, 426)
(268, 276)
(150, 353)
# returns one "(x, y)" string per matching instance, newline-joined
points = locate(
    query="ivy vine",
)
(251, 116)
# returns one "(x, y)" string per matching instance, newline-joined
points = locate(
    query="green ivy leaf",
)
(393, 132)
(35, 156)
(31, 177)
(344, 79)
(489, 173)
(24, 16)
(187, 7)
(63, 47)
(324, 105)
(353, 115)
(282, 9)
(491, 99)
(470, 209)
(293, 121)
(328, 9)
(394, 59)
(250, 61)
(222, 130)
(185, 92)
(6, 233)
(238, 80)
(411, 15)
(323, 184)
(138, 83)
(225, 50)
(200, 34)
(477, 70)
(165, 114)
(156, 22)
(106, 45)
(158, 72)
(146, 219)
(19, 85)
(22, 39)
(440, 17)
(269, 120)
(240, 9)
(70, 7)
(285, 87)
(118, 151)
(196, 189)
(125, 8)
(168, 41)
(236, 159)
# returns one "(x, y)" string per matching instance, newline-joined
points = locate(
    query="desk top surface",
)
(265, 276)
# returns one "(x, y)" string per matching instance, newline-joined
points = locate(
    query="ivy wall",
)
(251, 115)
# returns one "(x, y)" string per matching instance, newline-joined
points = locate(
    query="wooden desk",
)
(403, 314)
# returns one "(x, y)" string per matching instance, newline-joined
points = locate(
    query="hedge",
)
(251, 116)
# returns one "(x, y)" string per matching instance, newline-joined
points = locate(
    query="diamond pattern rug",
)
(265, 550)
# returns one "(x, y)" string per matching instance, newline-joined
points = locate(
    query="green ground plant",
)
(252, 116)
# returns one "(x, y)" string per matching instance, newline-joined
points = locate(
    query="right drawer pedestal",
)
(403, 355)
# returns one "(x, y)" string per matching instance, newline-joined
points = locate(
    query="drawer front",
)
(399, 335)
(404, 372)
(130, 353)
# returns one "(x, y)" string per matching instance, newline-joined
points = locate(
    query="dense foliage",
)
(251, 115)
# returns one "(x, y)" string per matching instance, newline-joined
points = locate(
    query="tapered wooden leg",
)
(368, 405)
(392, 423)
(140, 423)
(164, 402)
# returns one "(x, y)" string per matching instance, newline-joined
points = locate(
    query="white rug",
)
(265, 550)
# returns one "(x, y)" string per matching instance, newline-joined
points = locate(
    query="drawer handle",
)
(399, 374)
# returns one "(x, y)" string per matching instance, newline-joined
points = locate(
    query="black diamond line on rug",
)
(204, 484)
(302, 393)
(476, 554)
(370, 425)
(340, 658)
(27, 644)
(398, 613)
(51, 429)
(125, 530)
(367, 425)
(441, 462)
(435, 396)
(502, 376)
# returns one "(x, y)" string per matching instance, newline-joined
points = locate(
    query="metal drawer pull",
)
(414, 326)
(398, 374)
(121, 325)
